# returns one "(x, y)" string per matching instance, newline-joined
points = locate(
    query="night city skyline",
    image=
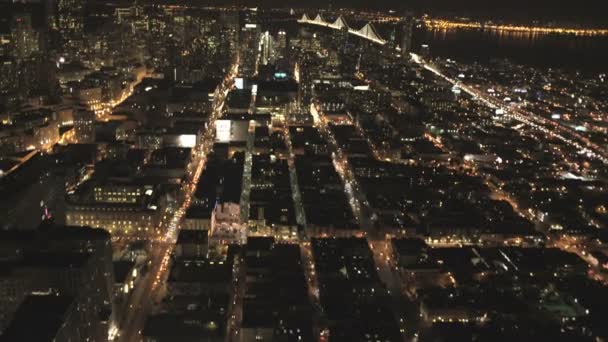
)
(343, 171)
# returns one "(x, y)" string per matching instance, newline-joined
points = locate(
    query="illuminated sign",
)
(280, 75)
(239, 83)
(186, 140)
(222, 130)
(254, 89)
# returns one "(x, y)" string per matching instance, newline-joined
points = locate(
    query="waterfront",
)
(541, 50)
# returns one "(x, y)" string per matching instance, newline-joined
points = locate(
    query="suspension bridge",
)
(366, 32)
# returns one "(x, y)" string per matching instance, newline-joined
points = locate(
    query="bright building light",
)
(222, 130)
(239, 83)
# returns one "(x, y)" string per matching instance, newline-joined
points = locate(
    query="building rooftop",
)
(122, 270)
(184, 327)
(197, 212)
(39, 318)
(55, 259)
(192, 236)
(203, 271)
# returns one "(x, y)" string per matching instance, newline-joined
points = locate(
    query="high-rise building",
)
(249, 44)
(425, 51)
(84, 126)
(25, 39)
(70, 15)
(8, 74)
(406, 39)
(267, 49)
(229, 30)
(281, 44)
(306, 73)
(249, 48)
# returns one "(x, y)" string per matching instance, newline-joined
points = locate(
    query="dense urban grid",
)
(183, 173)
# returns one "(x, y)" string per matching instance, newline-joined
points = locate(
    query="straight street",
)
(150, 289)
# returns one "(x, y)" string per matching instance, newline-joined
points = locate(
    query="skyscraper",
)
(25, 39)
(70, 16)
(281, 44)
(84, 126)
(249, 48)
(267, 49)
(406, 39)
(229, 32)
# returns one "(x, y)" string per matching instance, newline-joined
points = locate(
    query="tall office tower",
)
(36, 76)
(392, 39)
(229, 30)
(50, 13)
(8, 74)
(281, 44)
(42, 78)
(267, 49)
(249, 47)
(25, 39)
(406, 39)
(84, 126)
(70, 15)
(425, 51)
(306, 74)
